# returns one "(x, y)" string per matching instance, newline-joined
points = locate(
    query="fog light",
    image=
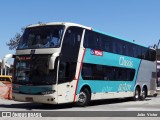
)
(52, 99)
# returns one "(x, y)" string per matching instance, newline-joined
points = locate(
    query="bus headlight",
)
(48, 92)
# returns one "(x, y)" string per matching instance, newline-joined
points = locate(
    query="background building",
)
(7, 70)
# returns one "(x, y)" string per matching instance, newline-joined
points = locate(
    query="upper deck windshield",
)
(41, 37)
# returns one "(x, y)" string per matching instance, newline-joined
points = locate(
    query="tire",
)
(155, 95)
(136, 94)
(84, 98)
(144, 93)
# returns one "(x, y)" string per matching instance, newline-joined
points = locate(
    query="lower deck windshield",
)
(33, 70)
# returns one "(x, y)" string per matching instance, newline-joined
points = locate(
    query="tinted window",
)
(104, 72)
(41, 37)
(71, 43)
(66, 71)
(143, 56)
(93, 40)
(119, 48)
(147, 55)
(130, 50)
(69, 54)
(153, 55)
(107, 43)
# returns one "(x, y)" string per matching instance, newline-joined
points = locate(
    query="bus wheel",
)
(144, 93)
(84, 98)
(155, 95)
(136, 94)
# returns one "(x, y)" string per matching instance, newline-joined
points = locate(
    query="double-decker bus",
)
(67, 62)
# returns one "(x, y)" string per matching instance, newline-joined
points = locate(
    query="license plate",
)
(30, 99)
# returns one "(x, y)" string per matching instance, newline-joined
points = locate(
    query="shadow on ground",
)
(113, 101)
(37, 106)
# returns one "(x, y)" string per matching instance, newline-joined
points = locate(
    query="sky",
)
(137, 20)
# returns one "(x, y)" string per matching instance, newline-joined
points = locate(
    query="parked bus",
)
(66, 62)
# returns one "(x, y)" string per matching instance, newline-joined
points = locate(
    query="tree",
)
(13, 43)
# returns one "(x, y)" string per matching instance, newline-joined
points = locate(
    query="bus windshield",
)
(41, 37)
(34, 70)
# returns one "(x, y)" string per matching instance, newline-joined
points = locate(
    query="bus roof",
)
(60, 23)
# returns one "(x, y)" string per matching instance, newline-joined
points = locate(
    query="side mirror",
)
(52, 60)
(51, 63)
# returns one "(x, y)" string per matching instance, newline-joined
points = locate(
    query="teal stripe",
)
(32, 89)
(109, 59)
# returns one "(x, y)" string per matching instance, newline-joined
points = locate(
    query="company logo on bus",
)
(96, 52)
(124, 62)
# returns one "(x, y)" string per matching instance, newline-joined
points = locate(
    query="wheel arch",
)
(86, 86)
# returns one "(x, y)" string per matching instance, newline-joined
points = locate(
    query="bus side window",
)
(147, 55)
(134, 51)
(125, 49)
(119, 48)
(107, 44)
(87, 72)
(132, 74)
(143, 56)
(98, 42)
(66, 71)
(109, 73)
(131, 51)
(71, 43)
(63, 72)
(88, 39)
(139, 53)
(152, 55)
(99, 72)
(93, 40)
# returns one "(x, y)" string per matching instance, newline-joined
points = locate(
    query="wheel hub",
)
(82, 97)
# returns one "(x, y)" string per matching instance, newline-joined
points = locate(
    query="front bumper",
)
(47, 99)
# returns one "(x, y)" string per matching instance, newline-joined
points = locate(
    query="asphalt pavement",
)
(103, 109)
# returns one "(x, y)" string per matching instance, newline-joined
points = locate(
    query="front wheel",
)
(84, 98)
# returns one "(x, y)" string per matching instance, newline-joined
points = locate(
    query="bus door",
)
(68, 63)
